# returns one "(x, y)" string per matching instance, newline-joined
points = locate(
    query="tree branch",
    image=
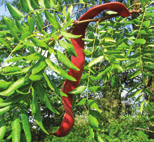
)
(97, 19)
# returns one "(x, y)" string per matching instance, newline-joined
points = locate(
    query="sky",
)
(3, 9)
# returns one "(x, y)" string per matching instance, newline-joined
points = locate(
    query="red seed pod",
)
(78, 61)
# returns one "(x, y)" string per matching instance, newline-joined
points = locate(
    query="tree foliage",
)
(35, 51)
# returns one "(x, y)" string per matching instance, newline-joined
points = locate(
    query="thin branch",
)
(145, 130)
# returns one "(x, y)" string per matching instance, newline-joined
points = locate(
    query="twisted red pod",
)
(78, 61)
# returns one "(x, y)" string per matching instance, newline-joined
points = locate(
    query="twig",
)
(145, 130)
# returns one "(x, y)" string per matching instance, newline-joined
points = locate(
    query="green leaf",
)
(135, 87)
(15, 59)
(116, 66)
(33, 57)
(87, 52)
(138, 98)
(52, 86)
(19, 26)
(23, 71)
(34, 4)
(68, 46)
(69, 35)
(142, 3)
(31, 24)
(47, 4)
(148, 59)
(35, 77)
(24, 5)
(91, 132)
(92, 104)
(147, 67)
(41, 3)
(16, 130)
(25, 124)
(81, 102)
(36, 111)
(140, 41)
(70, 8)
(53, 3)
(40, 65)
(14, 11)
(43, 95)
(52, 19)
(148, 92)
(78, 90)
(141, 107)
(5, 84)
(93, 121)
(129, 50)
(62, 58)
(11, 69)
(133, 65)
(122, 46)
(58, 70)
(105, 71)
(20, 82)
(2, 129)
(39, 21)
(113, 80)
(8, 23)
(12, 100)
(6, 109)
(39, 43)
(29, 5)
(95, 61)
(94, 88)
(96, 114)
(146, 24)
(138, 72)
(138, 91)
